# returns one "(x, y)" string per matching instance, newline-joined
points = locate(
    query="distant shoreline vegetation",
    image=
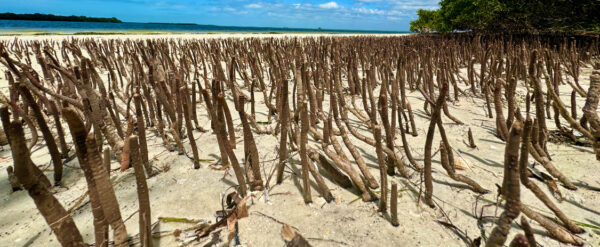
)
(50, 17)
(510, 16)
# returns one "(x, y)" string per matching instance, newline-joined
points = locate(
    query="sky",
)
(388, 15)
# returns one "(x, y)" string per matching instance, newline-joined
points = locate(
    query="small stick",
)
(106, 159)
(394, 204)
(471, 139)
(413, 127)
(574, 104)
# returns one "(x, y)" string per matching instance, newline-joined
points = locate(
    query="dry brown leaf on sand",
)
(241, 211)
(218, 167)
(231, 227)
(460, 164)
(552, 187)
(292, 238)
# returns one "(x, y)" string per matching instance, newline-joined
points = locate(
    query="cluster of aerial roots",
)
(111, 93)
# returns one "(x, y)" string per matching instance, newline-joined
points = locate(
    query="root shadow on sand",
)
(487, 162)
(370, 157)
(579, 205)
(595, 223)
(454, 185)
(31, 240)
(493, 141)
(587, 186)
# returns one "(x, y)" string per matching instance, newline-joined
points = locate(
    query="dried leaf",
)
(287, 233)
(554, 189)
(219, 167)
(292, 238)
(459, 164)
(242, 210)
(231, 227)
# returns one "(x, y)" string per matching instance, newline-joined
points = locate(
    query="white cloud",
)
(413, 5)
(369, 11)
(235, 11)
(329, 5)
(253, 6)
(373, 14)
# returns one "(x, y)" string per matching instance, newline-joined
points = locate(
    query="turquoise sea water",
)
(14, 26)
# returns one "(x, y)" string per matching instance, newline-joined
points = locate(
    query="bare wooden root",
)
(141, 130)
(528, 232)
(428, 143)
(145, 219)
(53, 212)
(510, 187)
(188, 124)
(106, 193)
(79, 134)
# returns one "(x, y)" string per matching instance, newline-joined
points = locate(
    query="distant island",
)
(50, 17)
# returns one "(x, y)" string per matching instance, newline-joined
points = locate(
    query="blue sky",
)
(393, 15)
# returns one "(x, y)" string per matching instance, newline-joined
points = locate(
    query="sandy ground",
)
(184, 192)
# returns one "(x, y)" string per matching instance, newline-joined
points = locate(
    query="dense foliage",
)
(510, 16)
(50, 17)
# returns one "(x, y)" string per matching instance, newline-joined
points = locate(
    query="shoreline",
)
(209, 35)
(17, 27)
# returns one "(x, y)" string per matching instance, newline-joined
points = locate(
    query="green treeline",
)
(50, 17)
(510, 16)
